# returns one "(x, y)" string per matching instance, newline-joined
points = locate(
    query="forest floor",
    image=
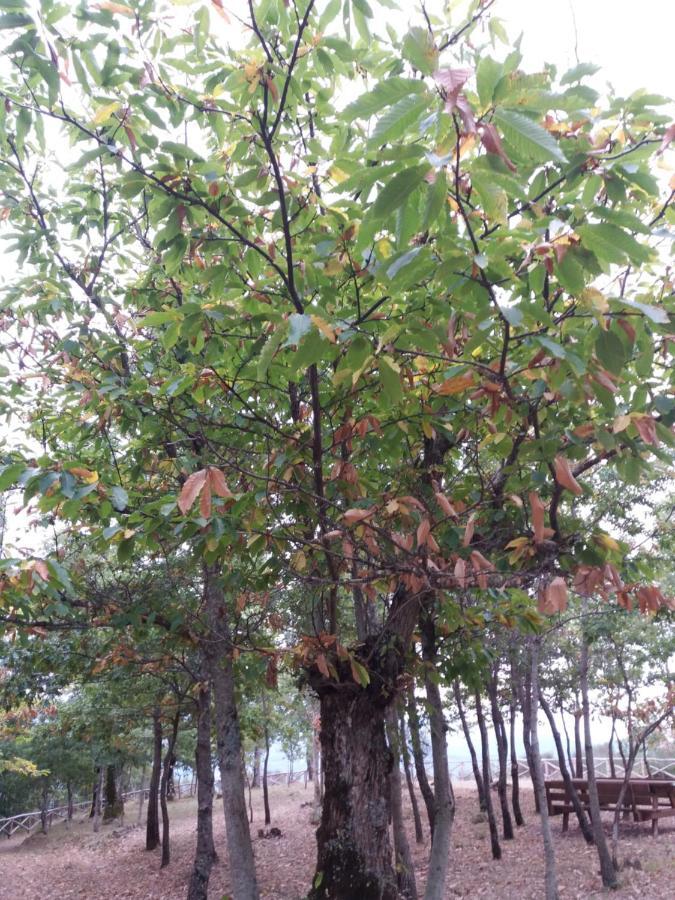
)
(113, 865)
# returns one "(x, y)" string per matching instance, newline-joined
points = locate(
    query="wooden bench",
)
(648, 799)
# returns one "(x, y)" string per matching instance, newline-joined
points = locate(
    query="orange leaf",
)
(455, 385)
(221, 12)
(205, 501)
(40, 567)
(191, 489)
(480, 563)
(564, 476)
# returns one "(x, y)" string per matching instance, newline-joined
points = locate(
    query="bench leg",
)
(566, 821)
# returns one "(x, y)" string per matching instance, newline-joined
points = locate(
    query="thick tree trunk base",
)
(354, 850)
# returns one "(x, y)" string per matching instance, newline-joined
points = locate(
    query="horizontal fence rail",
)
(28, 821)
(461, 770)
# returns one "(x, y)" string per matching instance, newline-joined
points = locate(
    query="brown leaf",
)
(423, 530)
(205, 501)
(564, 476)
(322, 665)
(460, 572)
(221, 12)
(191, 490)
(218, 484)
(646, 427)
(445, 504)
(357, 515)
(538, 511)
(480, 563)
(668, 136)
(469, 530)
(456, 385)
(492, 142)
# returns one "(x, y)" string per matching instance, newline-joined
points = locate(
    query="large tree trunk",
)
(582, 818)
(485, 754)
(418, 756)
(502, 754)
(515, 777)
(164, 789)
(114, 803)
(405, 870)
(152, 822)
(607, 869)
(205, 853)
(469, 743)
(405, 755)
(354, 851)
(217, 650)
(551, 880)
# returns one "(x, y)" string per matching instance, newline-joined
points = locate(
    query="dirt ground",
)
(74, 862)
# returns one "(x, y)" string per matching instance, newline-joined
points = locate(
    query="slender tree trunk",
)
(578, 753)
(485, 754)
(525, 693)
(405, 754)
(405, 870)
(579, 810)
(567, 738)
(69, 790)
(418, 756)
(515, 777)
(43, 806)
(266, 794)
(164, 789)
(205, 854)
(97, 801)
(114, 803)
(257, 756)
(502, 753)
(94, 793)
(170, 782)
(648, 770)
(610, 749)
(218, 653)
(152, 823)
(444, 801)
(141, 797)
(551, 880)
(480, 786)
(607, 869)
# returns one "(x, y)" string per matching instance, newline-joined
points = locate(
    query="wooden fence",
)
(26, 822)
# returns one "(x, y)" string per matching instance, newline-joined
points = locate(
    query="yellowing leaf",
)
(85, 474)
(104, 112)
(595, 300)
(118, 8)
(324, 328)
(607, 542)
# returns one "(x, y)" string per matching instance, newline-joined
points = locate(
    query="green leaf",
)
(298, 326)
(9, 475)
(579, 72)
(180, 151)
(610, 351)
(395, 192)
(527, 137)
(386, 93)
(570, 274)
(493, 198)
(613, 244)
(16, 20)
(419, 49)
(119, 498)
(399, 118)
(390, 375)
(488, 73)
(270, 349)
(435, 204)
